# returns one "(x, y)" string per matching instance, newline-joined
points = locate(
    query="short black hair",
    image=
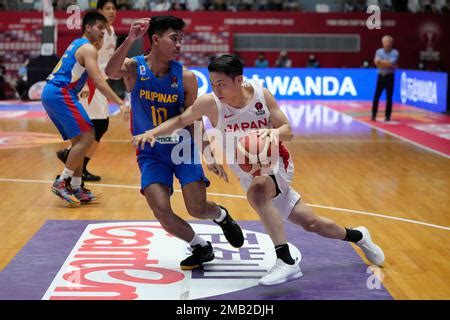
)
(102, 3)
(91, 17)
(230, 64)
(160, 24)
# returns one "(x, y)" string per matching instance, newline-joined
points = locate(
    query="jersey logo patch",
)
(174, 82)
(259, 109)
(142, 70)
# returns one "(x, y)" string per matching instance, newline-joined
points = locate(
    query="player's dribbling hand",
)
(139, 28)
(141, 139)
(218, 170)
(272, 134)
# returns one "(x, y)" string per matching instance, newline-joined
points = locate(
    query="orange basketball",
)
(252, 152)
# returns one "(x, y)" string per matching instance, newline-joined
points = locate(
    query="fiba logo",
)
(259, 109)
(404, 88)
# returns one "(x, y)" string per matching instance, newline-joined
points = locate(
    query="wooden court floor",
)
(362, 177)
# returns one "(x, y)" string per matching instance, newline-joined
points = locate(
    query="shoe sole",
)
(197, 265)
(71, 202)
(293, 277)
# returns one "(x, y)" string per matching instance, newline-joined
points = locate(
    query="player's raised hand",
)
(139, 28)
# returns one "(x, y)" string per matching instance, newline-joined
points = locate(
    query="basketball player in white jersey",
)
(246, 106)
(93, 101)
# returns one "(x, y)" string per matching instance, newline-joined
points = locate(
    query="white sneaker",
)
(281, 272)
(373, 252)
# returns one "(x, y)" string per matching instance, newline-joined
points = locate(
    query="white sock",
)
(75, 182)
(198, 240)
(222, 216)
(66, 173)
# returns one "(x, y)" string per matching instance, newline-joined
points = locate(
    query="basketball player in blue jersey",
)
(160, 89)
(60, 100)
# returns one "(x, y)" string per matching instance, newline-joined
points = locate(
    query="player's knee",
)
(197, 209)
(87, 138)
(258, 192)
(312, 225)
(161, 213)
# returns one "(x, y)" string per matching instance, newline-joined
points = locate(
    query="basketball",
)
(252, 153)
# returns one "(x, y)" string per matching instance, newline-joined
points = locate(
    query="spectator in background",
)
(193, 5)
(312, 62)
(21, 85)
(219, 5)
(291, 5)
(275, 5)
(386, 61)
(139, 4)
(245, 5)
(160, 5)
(261, 62)
(365, 64)
(283, 60)
(428, 6)
(349, 6)
(414, 6)
(179, 5)
(123, 5)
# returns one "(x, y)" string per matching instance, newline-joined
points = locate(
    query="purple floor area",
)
(332, 269)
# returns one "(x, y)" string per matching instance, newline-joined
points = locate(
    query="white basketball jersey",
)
(254, 116)
(107, 50)
(93, 101)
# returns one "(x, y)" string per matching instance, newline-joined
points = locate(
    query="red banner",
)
(417, 36)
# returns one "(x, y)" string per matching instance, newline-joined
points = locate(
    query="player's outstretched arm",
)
(87, 55)
(188, 117)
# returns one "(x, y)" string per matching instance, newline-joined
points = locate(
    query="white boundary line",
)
(392, 134)
(244, 197)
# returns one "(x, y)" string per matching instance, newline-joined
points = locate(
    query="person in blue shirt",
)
(261, 62)
(386, 61)
(161, 88)
(61, 102)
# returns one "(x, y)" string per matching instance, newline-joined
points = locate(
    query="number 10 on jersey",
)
(159, 115)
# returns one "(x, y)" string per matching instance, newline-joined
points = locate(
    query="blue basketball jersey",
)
(68, 73)
(154, 100)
